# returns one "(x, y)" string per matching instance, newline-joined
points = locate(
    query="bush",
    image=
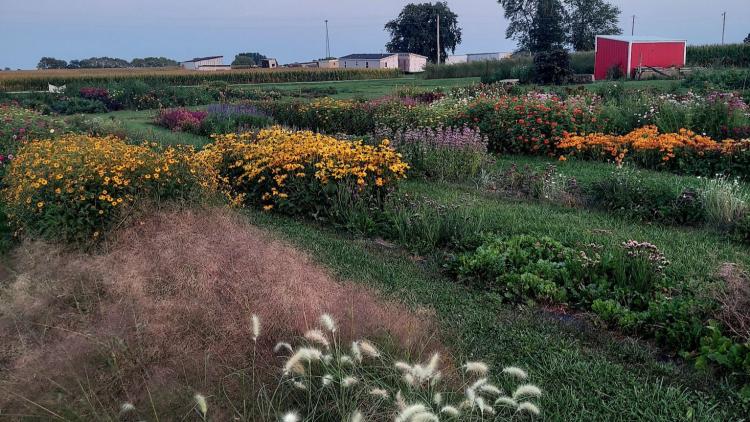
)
(552, 67)
(18, 125)
(299, 172)
(627, 193)
(445, 154)
(75, 187)
(181, 120)
(740, 232)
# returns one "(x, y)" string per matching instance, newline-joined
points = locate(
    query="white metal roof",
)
(639, 38)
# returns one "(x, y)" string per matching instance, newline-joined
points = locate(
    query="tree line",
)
(104, 62)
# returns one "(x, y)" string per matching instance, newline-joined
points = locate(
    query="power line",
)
(328, 42)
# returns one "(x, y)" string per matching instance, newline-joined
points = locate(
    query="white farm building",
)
(206, 63)
(406, 62)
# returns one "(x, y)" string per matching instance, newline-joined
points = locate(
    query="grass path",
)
(587, 374)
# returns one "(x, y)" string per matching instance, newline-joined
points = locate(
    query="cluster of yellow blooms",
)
(273, 164)
(645, 139)
(81, 181)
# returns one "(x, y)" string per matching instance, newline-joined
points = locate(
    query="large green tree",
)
(589, 18)
(248, 59)
(747, 40)
(415, 30)
(520, 15)
(581, 19)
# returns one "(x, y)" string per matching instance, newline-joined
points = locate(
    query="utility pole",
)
(328, 42)
(438, 39)
(723, 26)
(632, 27)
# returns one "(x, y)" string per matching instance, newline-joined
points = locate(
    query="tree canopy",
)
(589, 18)
(415, 30)
(547, 32)
(51, 63)
(248, 59)
(580, 19)
(747, 40)
(104, 62)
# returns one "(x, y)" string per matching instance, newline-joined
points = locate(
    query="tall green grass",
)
(520, 67)
(730, 55)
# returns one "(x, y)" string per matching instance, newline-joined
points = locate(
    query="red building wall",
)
(657, 54)
(610, 53)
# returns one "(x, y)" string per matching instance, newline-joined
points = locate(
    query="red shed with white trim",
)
(629, 53)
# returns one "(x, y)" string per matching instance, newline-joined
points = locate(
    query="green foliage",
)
(248, 59)
(740, 232)
(51, 63)
(589, 18)
(728, 55)
(153, 62)
(731, 79)
(517, 67)
(547, 31)
(718, 349)
(179, 78)
(415, 30)
(627, 192)
(552, 67)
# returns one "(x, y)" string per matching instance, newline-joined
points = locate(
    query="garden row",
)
(653, 129)
(139, 95)
(38, 80)
(76, 187)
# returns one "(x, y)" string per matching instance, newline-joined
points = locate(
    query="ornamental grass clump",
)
(725, 201)
(325, 378)
(300, 172)
(77, 186)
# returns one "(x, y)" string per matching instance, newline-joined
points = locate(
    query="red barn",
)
(628, 53)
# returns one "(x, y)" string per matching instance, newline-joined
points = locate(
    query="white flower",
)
(349, 381)
(200, 401)
(478, 368)
(527, 390)
(256, 327)
(290, 417)
(127, 407)
(515, 372)
(528, 408)
(328, 323)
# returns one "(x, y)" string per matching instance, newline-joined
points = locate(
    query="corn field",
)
(731, 55)
(37, 80)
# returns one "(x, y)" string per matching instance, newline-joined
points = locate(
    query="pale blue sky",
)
(292, 30)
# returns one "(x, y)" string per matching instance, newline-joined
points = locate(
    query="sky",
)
(293, 30)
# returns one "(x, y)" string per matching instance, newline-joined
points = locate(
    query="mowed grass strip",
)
(586, 374)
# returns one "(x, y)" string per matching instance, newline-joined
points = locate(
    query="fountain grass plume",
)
(317, 336)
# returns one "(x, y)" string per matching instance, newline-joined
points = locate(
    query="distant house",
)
(303, 64)
(206, 63)
(406, 62)
(629, 53)
(411, 63)
(269, 63)
(369, 61)
(476, 57)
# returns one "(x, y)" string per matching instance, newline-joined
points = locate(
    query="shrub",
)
(445, 154)
(529, 124)
(180, 119)
(76, 187)
(552, 67)
(740, 232)
(299, 172)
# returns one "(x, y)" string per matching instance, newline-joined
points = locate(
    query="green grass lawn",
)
(138, 125)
